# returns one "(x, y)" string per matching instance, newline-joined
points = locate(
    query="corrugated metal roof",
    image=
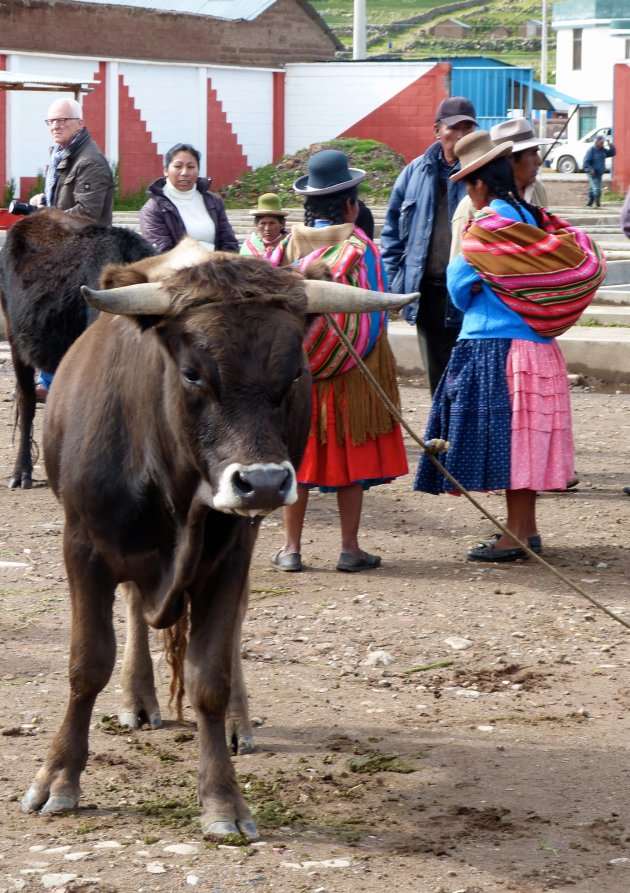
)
(11, 80)
(220, 9)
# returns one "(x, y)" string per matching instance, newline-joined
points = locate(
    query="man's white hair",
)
(74, 107)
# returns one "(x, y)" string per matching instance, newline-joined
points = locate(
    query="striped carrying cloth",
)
(327, 356)
(547, 275)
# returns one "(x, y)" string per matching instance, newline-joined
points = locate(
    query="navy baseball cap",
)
(454, 110)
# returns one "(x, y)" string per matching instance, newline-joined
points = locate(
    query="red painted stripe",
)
(279, 81)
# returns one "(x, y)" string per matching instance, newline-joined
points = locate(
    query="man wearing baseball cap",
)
(416, 237)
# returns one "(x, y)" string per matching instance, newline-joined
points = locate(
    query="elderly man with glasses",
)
(79, 179)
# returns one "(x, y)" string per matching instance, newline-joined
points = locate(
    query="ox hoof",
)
(132, 721)
(33, 799)
(20, 481)
(245, 744)
(58, 804)
(218, 831)
(249, 830)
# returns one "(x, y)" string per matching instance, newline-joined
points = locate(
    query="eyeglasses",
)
(60, 121)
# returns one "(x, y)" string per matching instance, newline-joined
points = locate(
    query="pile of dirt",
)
(381, 163)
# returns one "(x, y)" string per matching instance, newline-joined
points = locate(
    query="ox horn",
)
(335, 297)
(143, 299)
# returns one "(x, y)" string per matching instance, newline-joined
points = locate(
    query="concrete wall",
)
(138, 110)
(239, 118)
(390, 102)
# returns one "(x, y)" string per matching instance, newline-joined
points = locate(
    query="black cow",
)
(196, 417)
(46, 259)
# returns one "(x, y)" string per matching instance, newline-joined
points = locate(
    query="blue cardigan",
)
(485, 314)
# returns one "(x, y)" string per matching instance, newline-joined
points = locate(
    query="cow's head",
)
(236, 379)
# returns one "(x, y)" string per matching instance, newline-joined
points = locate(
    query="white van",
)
(568, 158)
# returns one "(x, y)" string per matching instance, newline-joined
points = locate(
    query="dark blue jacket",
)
(408, 226)
(595, 159)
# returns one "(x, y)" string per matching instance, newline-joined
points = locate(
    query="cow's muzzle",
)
(255, 489)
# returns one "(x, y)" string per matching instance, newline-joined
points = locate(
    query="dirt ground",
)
(504, 767)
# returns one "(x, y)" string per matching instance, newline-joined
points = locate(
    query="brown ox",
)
(196, 417)
(46, 259)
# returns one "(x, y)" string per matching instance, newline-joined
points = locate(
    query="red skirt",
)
(336, 464)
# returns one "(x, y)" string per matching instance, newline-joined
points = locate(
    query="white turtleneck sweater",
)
(192, 209)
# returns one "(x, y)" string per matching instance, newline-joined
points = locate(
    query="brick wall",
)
(285, 32)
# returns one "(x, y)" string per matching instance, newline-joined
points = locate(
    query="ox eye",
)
(298, 374)
(192, 376)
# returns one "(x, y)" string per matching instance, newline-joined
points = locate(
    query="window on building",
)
(587, 119)
(577, 49)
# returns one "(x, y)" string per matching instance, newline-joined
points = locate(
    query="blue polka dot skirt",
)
(471, 409)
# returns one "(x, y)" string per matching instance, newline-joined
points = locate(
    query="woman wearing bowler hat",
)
(503, 402)
(354, 442)
(270, 222)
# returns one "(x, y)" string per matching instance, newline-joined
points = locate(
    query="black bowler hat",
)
(328, 172)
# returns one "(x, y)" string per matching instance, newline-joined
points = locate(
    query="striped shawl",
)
(328, 357)
(547, 275)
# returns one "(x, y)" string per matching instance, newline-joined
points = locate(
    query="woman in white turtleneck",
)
(180, 203)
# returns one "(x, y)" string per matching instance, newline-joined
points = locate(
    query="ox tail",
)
(175, 644)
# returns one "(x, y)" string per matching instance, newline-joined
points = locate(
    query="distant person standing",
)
(594, 166)
(79, 179)
(416, 237)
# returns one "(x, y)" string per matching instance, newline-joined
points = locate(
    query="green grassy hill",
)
(394, 29)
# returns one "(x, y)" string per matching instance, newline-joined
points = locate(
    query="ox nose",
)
(264, 487)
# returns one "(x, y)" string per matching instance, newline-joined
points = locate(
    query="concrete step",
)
(606, 315)
(600, 352)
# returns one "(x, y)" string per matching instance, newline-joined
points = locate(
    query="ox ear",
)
(144, 299)
(334, 297)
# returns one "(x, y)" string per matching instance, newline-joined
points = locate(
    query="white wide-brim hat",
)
(519, 132)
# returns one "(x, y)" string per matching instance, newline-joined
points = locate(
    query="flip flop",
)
(351, 564)
(291, 562)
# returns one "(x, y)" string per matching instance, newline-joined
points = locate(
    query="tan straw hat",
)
(269, 206)
(475, 150)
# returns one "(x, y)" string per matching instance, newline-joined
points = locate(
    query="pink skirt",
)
(542, 455)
